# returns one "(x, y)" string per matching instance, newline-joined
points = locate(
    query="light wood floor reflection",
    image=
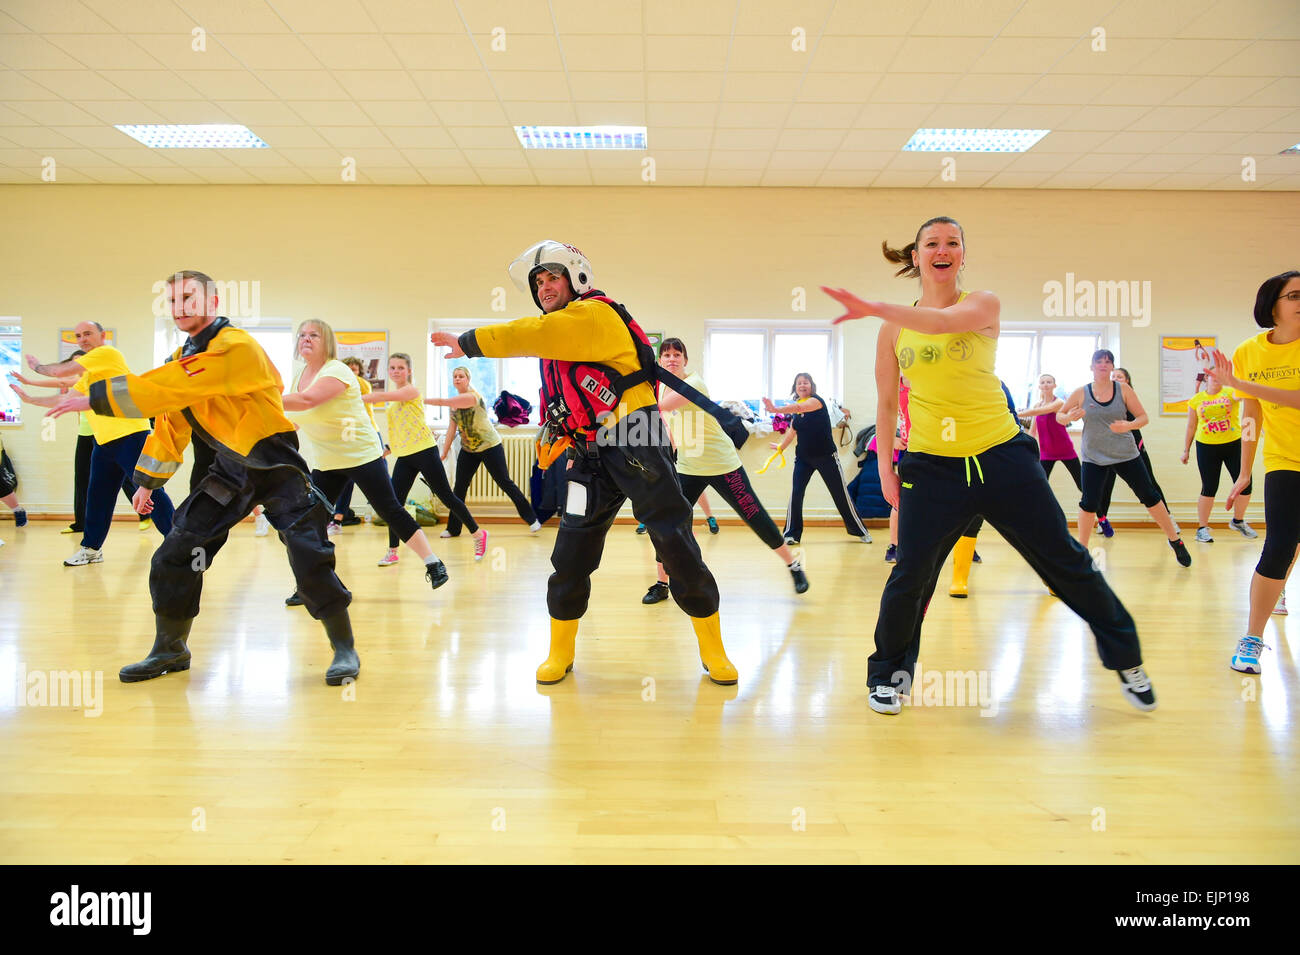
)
(447, 751)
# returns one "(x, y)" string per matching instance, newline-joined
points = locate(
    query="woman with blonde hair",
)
(480, 443)
(416, 451)
(324, 401)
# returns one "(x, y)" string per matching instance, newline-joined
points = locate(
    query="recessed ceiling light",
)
(1290, 149)
(581, 137)
(200, 136)
(973, 140)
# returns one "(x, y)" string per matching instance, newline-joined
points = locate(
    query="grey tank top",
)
(1101, 445)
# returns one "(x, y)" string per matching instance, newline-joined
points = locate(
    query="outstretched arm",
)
(456, 401)
(977, 312)
(807, 406)
(63, 369)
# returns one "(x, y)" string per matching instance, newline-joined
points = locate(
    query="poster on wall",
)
(68, 341)
(656, 339)
(371, 348)
(1183, 361)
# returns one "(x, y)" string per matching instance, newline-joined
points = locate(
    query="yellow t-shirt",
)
(1259, 361)
(83, 424)
(106, 362)
(1216, 416)
(408, 432)
(956, 404)
(339, 429)
(365, 390)
(703, 448)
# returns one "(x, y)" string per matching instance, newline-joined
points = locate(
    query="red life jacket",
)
(577, 395)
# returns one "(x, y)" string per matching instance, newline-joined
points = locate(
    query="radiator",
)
(521, 453)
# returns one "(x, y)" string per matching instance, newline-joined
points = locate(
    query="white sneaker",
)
(262, 527)
(1203, 535)
(1280, 609)
(866, 538)
(884, 699)
(535, 526)
(83, 556)
(1244, 529)
(333, 529)
(445, 534)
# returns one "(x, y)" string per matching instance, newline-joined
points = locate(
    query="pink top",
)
(1054, 442)
(900, 443)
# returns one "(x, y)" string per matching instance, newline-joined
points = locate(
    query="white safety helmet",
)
(555, 257)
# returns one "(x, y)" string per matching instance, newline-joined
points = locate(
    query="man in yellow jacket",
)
(595, 393)
(221, 388)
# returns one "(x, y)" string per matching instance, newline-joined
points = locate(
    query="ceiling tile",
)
(733, 177)
(1017, 180)
(121, 111)
(483, 137)
(497, 158)
(259, 113)
(435, 158)
(1102, 162)
(996, 88)
(1244, 120)
(143, 16)
(507, 177)
(963, 116)
(56, 16)
(563, 177)
(751, 114)
(235, 16)
(1200, 142)
(1142, 90)
(757, 141)
(822, 115)
(872, 19)
(915, 87)
(1123, 55)
(575, 17)
(354, 51)
(685, 53)
(799, 159)
(555, 86)
(50, 113)
(355, 137)
(1137, 141)
(1075, 180)
(875, 140)
(152, 84)
(335, 16)
(956, 54)
(1177, 118)
(290, 137)
(1219, 91)
(378, 84)
(68, 84)
(1066, 88)
(811, 139)
(737, 159)
(685, 87)
(1052, 18)
(1160, 164)
(859, 159)
(659, 113)
(435, 51)
(1024, 116)
(1113, 118)
(687, 17)
(772, 54)
(837, 87)
(473, 114)
(683, 137)
(1261, 18)
(227, 84)
(611, 114)
(420, 137)
(400, 112)
(92, 137)
(902, 179)
(1282, 92)
(303, 84)
(330, 112)
(1158, 19)
(189, 111)
(1065, 141)
(270, 51)
(28, 51)
(523, 52)
(790, 178)
(483, 16)
(415, 16)
(460, 85)
(1021, 55)
(609, 53)
(761, 87)
(873, 53)
(176, 51)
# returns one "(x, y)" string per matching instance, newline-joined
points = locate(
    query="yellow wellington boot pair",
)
(707, 630)
(962, 555)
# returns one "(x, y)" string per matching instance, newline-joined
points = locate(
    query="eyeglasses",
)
(1290, 296)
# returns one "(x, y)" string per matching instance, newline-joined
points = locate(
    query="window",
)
(11, 359)
(752, 361)
(1064, 351)
(488, 376)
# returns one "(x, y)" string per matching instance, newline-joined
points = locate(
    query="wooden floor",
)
(449, 752)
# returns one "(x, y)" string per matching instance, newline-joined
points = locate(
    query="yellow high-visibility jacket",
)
(586, 330)
(228, 394)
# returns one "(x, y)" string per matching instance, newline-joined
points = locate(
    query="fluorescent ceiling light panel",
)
(973, 140)
(581, 137)
(1290, 150)
(200, 136)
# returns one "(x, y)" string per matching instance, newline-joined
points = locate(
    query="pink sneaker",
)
(388, 559)
(480, 545)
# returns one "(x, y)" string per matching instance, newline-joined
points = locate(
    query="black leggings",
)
(828, 467)
(734, 488)
(1108, 486)
(1212, 458)
(1135, 475)
(1282, 515)
(428, 464)
(936, 505)
(494, 459)
(1071, 465)
(372, 479)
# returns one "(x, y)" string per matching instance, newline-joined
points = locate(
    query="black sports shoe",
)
(293, 600)
(657, 593)
(640, 528)
(884, 699)
(975, 557)
(891, 554)
(713, 525)
(436, 574)
(352, 521)
(800, 578)
(1137, 688)
(1180, 551)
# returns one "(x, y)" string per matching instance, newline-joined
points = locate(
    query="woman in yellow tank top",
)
(966, 457)
(416, 451)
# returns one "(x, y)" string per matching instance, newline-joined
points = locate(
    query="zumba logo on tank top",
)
(960, 349)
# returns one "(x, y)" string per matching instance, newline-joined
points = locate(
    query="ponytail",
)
(903, 256)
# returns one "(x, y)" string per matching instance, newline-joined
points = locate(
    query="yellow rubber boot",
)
(961, 561)
(712, 654)
(560, 662)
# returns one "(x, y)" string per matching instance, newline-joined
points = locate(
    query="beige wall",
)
(393, 257)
